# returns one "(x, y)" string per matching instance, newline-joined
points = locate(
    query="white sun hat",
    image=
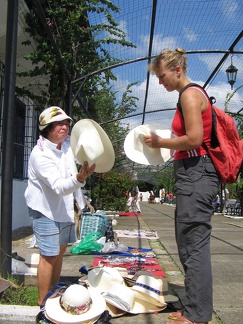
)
(153, 290)
(89, 142)
(76, 305)
(137, 151)
(101, 279)
(51, 115)
(124, 298)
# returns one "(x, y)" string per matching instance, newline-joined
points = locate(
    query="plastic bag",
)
(88, 244)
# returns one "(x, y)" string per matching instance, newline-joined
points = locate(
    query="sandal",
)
(173, 316)
(183, 320)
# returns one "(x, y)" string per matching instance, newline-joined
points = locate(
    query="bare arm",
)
(193, 103)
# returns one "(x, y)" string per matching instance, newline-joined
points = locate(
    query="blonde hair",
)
(172, 59)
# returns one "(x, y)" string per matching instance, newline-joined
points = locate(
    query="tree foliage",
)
(237, 187)
(82, 47)
(110, 190)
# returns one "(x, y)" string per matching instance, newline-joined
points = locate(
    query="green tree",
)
(83, 48)
(165, 179)
(237, 187)
(110, 190)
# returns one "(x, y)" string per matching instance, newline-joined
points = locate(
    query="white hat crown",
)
(89, 142)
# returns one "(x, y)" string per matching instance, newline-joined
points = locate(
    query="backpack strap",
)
(212, 100)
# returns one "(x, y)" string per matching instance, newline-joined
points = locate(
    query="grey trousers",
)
(196, 186)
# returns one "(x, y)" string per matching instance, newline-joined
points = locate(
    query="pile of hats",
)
(107, 290)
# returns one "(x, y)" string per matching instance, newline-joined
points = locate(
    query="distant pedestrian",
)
(134, 195)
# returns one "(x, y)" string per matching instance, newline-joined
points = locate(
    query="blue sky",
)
(192, 25)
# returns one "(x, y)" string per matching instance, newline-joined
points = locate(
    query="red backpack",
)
(226, 149)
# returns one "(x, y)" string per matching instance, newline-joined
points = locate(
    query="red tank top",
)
(178, 129)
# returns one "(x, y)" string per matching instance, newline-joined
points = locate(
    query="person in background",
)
(216, 203)
(196, 184)
(134, 195)
(53, 181)
(163, 195)
(225, 197)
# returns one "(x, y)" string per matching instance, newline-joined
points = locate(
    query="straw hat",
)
(137, 151)
(76, 305)
(153, 290)
(51, 115)
(89, 142)
(103, 278)
(124, 298)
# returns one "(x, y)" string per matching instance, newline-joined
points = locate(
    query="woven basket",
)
(96, 222)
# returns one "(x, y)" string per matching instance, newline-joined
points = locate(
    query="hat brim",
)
(158, 302)
(92, 321)
(89, 142)
(137, 151)
(57, 314)
(114, 311)
(140, 306)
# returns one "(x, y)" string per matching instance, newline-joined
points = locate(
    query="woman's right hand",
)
(85, 171)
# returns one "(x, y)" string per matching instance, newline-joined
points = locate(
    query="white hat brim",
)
(89, 142)
(137, 151)
(161, 300)
(140, 306)
(57, 314)
(114, 311)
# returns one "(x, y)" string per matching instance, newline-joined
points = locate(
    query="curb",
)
(18, 313)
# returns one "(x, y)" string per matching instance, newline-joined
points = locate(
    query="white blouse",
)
(52, 182)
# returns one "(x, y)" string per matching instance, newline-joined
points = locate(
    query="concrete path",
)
(227, 263)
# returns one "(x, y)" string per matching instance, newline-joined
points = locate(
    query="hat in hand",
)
(89, 142)
(137, 151)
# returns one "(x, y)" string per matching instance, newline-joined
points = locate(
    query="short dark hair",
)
(44, 132)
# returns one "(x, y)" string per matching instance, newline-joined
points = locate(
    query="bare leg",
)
(56, 272)
(49, 270)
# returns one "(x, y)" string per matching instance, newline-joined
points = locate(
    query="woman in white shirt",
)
(53, 182)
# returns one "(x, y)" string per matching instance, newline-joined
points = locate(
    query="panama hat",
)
(137, 151)
(76, 305)
(51, 115)
(101, 279)
(153, 290)
(124, 298)
(89, 142)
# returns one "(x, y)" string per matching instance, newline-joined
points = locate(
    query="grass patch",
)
(19, 294)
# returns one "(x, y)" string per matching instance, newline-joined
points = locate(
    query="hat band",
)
(156, 291)
(75, 310)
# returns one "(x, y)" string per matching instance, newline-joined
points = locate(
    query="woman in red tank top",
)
(196, 184)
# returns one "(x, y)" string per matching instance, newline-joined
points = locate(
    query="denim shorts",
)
(50, 235)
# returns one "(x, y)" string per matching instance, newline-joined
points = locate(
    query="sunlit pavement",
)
(226, 250)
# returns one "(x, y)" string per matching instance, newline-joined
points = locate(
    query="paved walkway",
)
(227, 256)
